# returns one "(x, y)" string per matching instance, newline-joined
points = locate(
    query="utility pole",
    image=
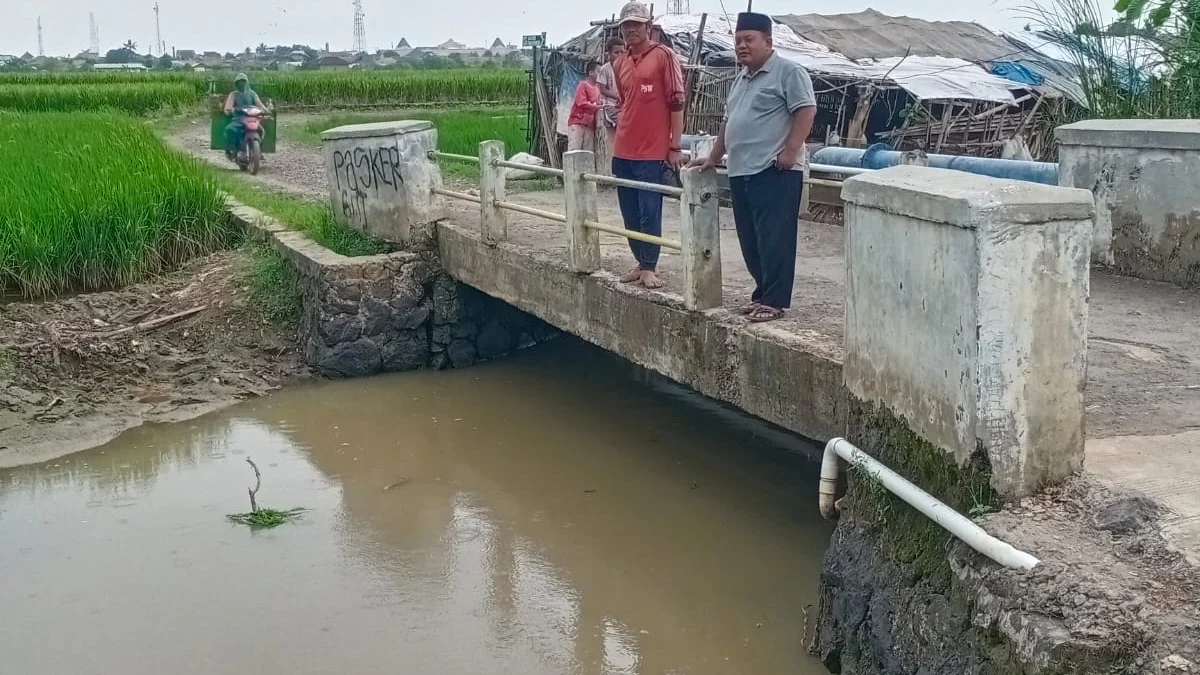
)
(93, 34)
(360, 28)
(158, 41)
(41, 46)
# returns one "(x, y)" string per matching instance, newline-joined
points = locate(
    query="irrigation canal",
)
(556, 512)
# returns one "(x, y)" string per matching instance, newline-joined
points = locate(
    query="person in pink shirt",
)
(581, 125)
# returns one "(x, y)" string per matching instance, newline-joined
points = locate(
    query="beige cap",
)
(636, 12)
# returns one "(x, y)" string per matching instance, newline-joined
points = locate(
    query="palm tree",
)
(130, 45)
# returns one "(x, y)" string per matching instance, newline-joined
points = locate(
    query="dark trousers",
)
(766, 211)
(641, 209)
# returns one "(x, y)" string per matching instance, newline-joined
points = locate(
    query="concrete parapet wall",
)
(774, 375)
(381, 180)
(1143, 175)
(966, 315)
(390, 312)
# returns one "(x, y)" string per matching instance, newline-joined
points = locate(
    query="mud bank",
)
(78, 371)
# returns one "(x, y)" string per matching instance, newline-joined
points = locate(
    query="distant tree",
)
(457, 60)
(433, 62)
(487, 54)
(148, 62)
(130, 45)
(247, 52)
(165, 63)
(262, 48)
(512, 58)
(118, 56)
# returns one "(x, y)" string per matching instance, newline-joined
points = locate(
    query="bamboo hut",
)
(941, 87)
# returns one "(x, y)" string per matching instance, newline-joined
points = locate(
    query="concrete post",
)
(493, 220)
(583, 243)
(1143, 175)
(381, 180)
(966, 315)
(700, 239)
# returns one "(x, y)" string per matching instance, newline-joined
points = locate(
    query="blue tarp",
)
(1016, 72)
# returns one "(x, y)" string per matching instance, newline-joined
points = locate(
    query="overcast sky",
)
(230, 25)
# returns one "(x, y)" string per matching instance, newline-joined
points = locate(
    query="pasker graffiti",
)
(362, 169)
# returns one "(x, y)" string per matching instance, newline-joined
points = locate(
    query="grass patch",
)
(264, 518)
(94, 200)
(310, 216)
(275, 287)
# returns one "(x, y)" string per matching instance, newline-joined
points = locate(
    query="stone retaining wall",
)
(393, 311)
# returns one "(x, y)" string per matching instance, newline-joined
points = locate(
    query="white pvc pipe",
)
(949, 519)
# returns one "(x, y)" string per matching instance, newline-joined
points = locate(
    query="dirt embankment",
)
(76, 372)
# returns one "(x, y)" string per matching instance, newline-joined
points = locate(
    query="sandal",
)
(748, 309)
(763, 313)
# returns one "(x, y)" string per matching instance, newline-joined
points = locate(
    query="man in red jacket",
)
(649, 133)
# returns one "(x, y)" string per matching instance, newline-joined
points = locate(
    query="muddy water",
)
(553, 513)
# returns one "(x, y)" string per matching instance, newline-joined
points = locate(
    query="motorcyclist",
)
(241, 97)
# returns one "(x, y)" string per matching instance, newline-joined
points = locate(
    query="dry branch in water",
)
(257, 484)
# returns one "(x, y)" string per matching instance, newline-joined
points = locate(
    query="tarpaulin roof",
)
(925, 77)
(929, 59)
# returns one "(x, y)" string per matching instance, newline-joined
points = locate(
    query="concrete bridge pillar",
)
(966, 318)
(381, 180)
(1143, 175)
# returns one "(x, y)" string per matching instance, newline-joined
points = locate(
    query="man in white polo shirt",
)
(767, 119)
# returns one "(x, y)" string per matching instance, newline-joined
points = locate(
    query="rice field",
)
(460, 130)
(137, 98)
(97, 201)
(140, 93)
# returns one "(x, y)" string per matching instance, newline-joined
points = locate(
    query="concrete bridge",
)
(961, 308)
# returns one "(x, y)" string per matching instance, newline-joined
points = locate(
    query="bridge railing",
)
(699, 240)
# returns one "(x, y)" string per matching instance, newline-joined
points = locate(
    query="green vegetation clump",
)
(911, 539)
(275, 287)
(95, 200)
(264, 518)
(1145, 64)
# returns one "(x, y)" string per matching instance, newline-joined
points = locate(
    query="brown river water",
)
(557, 512)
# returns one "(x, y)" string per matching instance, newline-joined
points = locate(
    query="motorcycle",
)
(248, 155)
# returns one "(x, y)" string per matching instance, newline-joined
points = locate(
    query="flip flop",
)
(764, 314)
(747, 309)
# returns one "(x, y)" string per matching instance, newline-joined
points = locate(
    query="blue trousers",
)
(641, 209)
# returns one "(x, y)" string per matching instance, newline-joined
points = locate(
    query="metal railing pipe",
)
(456, 195)
(931, 507)
(668, 190)
(833, 168)
(530, 211)
(437, 154)
(535, 168)
(633, 234)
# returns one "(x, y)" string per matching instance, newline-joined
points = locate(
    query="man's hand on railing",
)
(675, 159)
(704, 163)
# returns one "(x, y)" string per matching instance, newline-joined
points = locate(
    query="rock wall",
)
(391, 312)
